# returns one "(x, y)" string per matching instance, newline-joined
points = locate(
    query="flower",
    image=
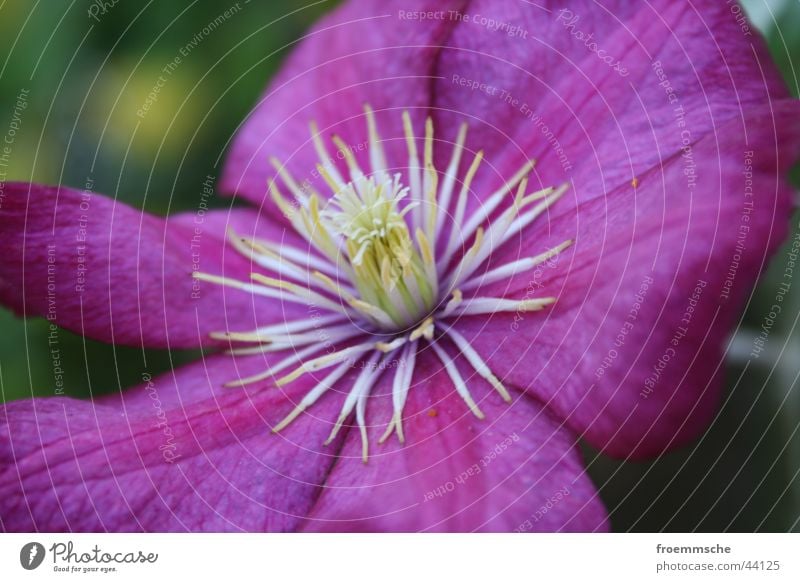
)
(393, 296)
(421, 347)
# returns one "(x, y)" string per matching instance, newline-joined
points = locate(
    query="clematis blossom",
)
(465, 251)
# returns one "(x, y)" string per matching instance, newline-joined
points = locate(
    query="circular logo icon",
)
(31, 555)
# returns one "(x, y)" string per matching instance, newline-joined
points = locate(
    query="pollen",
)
(395, 260)
(388, 268)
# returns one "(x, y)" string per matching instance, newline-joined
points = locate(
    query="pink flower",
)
(492, 314)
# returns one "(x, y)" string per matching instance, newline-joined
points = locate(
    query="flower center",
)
(388, 269)
(386, 291)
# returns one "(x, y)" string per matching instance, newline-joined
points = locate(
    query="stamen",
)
(392, 345)
(477, 362)
(430, 184)
(356, 174)
(298, 257)
(527, 218)
(322, 154)
(425, 330)
(298, 294)
(286, 208)
(364, 266)
(314, 395)
(373, 313)
(413, 168)
(331, 180)
(300, 325)
(333, 333)
(361, 389)
(458, 217)
(277, 368)
(491, 305)
(511, 269)
(458, 381)
(299, 193)
(319, 230)
(450, 178)
(466, 260)
(326, 361)
(454, 302)
(236, 284)
(400, 388)
(377, 156)
(492, 202)
(497, 232)
(268, 259)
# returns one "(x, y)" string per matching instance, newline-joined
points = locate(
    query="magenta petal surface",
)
(545, 95)
(597, 122)
(517, 470)
(113, 273)
(632, 354)
(359, 54)
(178, 453)
(676, 203)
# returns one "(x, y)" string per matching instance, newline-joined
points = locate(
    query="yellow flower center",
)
(388, 269)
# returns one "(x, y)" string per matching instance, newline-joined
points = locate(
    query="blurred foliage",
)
(87, 78)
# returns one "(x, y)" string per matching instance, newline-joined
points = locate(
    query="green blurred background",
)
(86, 78)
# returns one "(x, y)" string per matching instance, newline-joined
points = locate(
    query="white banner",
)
(387, 557)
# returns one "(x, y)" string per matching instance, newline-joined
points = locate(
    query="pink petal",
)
(551, 91)
(183, 454)
(611, 127)
(359, 54)
(517, 470)
(112, 273)
(598, 357)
